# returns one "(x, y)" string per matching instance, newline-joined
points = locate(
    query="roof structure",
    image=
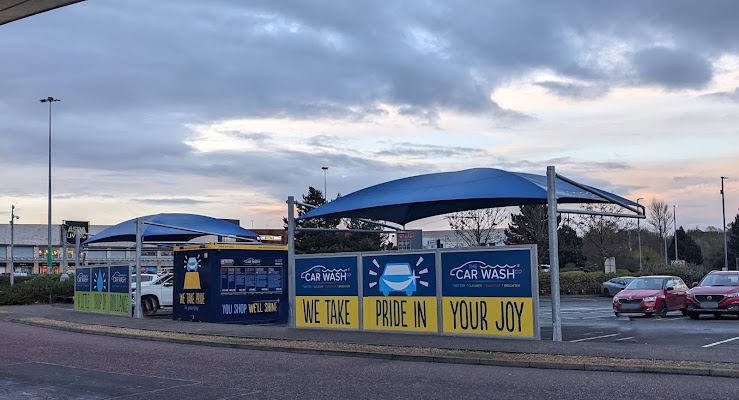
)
(13, 10)
(409, 199)
(190, 227)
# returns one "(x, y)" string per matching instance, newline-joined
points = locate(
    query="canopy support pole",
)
(138, 308)
(553, 253)
(291, 259)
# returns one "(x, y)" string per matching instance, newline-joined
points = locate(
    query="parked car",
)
(145, 279)
(155, 295)
(652, 295)
(717, 294)
(615, 285)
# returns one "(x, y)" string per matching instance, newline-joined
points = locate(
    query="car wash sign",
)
(399, 292)
(102, 289)
(327, 292)
(490, 292)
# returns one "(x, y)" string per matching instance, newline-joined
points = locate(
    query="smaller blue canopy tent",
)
(201, 224)
(409, 199)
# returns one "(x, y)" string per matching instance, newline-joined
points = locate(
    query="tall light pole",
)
(638, 232)
(723, 210)
(325, 194)
(13, 217)
(674, 224)
(48, 248)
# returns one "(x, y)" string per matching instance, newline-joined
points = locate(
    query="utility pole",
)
(638, 232)
(723, 211)
(48, 248)
(13, 217)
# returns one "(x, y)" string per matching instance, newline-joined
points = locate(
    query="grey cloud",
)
(171, 201)
(673, 69)
(415, 150)
(731, 96)
(573, 90)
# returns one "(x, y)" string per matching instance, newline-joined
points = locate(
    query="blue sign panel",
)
(327, 276)
(100, 279)
(499, 273)
(119, 280)
(399, 275)
(82, 279)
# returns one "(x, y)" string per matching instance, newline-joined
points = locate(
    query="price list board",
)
(244, 279)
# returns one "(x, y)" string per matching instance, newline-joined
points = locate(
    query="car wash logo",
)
(118, 278)
(322, 274)
(398, 277)
(252, 261)
(192, 274)
(479, 271)
(83, 278)
(100, 281)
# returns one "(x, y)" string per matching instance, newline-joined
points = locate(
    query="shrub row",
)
(578, 282)
(35, 289)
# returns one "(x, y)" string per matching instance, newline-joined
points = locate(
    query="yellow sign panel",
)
(498, 316)
(412, 314)
(92, 301)
(327, 312)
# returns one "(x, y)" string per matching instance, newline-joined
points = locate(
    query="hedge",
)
(579, 282)
(35, 289)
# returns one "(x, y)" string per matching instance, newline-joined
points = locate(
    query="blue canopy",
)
(126, 231)
(409, 199)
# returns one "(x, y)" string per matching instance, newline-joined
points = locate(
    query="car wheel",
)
(148, 304)
(717, 315)
(693, 315)
(606, 292)
(617, 314)
(685, 312)
(663, 309)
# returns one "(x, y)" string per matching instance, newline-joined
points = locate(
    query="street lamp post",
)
(325, 194)
(13, 217)
(638, 233)
(723, 211)
(48, 248)
(674, 224)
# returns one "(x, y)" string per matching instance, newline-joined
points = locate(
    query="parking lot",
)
(591, 319)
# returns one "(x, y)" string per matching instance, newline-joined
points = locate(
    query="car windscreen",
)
(720, 280)
(646, 284)
(628, 280)
(397, 269)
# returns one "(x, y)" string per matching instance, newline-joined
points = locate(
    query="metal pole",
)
(674, 224)
(63, 236)
(723, 210)
(325, 193)
(48, 248)
(13, 217)
(638, 233)
(77, 245)
(139, 227)
(291, 259)
(553, 253)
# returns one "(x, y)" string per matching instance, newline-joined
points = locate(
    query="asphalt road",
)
(591, 319)
(39, 363)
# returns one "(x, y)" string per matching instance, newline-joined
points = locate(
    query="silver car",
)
(615, 285)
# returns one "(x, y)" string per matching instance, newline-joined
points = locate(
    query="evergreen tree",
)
(570, 247)
(687, 248)
(315, 242)
(732, 238)
(530, 227)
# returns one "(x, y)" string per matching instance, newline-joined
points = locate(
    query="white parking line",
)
(625, 338)
(596, 337)
(721, 342)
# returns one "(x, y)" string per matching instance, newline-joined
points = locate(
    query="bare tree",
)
(474, 227)
(659, 218)
(603, 236)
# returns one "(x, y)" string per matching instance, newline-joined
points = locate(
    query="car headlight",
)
(733, 294)
(650, 298)
(615, 298)
(690, 294)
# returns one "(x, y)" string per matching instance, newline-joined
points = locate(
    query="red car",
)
(717, 294)
(652, 295)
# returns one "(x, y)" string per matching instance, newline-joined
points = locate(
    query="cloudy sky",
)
(225, 108)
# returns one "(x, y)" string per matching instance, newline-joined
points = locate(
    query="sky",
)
(226, 108)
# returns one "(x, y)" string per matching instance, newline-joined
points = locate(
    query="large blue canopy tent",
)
(192, 226)
(409, 199)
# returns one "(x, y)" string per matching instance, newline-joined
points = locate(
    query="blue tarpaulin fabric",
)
(409, 199)
(126, 231)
